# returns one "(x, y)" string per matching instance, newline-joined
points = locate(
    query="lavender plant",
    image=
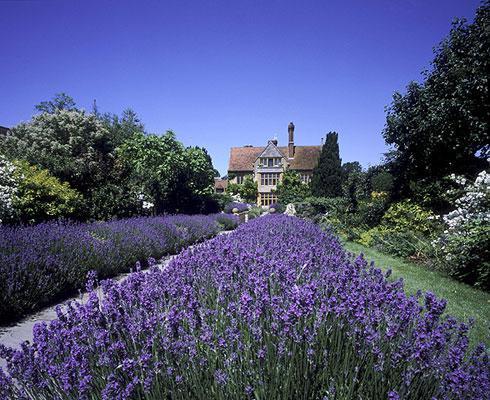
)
(241, 207)
(45, 262)
(275, 310)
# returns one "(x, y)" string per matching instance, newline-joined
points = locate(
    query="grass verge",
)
(463, 301)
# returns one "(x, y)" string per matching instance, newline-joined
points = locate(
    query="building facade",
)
(267, 164)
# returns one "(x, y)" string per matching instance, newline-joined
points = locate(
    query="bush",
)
(314, 208)
(277, 207)
(255, 212)
(467, 254)
(274, 310)
(227, 222)
(222, 199)
(241, 207)
(466, 241)
(8, 188)
(42, 197)
(406, 230)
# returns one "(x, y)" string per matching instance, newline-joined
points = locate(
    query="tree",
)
(291, 189)
(61, 101)
(72, 145)
(173, 178)
(440, 126)
(248, 190)
(122, 128)
(327, 176)
(156, 163)
(200, 170)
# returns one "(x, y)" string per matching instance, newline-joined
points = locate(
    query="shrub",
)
(314, 208)
(291, 189)
(41, 196)
(222, 199)
(227, 222)
(246, 317)
(255, 212)
(466, 241)
(246, 191)
(241, 207)
(277, 207)
(8, 188)
(45, 262)
(406, 230)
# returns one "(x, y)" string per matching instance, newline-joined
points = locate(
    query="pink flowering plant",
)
(275, 310)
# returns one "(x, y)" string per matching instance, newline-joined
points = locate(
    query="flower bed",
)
(45, 262)
(275, 310)
(240, 207)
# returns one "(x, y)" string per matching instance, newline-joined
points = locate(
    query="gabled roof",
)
(271, 150)
(242, 158)
(220, 183)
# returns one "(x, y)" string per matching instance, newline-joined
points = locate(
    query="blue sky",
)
(225, 73)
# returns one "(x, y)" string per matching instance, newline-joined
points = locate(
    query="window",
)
(266, 199)
(269, 179)
(270, 162)
(239, 179)
(305, 178)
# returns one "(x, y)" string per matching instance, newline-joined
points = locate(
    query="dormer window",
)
(270, 161)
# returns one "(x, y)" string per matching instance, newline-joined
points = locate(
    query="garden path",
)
(13, 336)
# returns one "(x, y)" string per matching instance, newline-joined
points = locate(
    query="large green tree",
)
(79, 148)
(71, 144)
(440, 126)
(291, 189)
(172, 177)
(327, 176)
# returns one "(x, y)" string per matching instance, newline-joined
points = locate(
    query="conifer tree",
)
(327, 176)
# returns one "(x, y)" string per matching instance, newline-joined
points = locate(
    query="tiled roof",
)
(243, 158)
(220, 183)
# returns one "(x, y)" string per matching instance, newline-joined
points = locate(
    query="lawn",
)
(463, 300)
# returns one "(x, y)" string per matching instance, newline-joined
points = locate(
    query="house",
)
(220, 185)
(267, 164)
(4, 131)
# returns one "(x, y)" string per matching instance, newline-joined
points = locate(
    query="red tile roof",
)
(243, 158)
(220, 183)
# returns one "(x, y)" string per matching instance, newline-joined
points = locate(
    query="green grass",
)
(463, 301)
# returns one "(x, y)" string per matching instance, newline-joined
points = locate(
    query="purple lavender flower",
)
(275, 309)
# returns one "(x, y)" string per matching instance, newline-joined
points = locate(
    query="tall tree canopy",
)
(440, 126)
(111, 161)
(171, 176)
(327, 176)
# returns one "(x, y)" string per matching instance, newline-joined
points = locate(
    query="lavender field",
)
(46, 262)
(275, 310)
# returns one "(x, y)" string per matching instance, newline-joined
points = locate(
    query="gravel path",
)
(13, 336)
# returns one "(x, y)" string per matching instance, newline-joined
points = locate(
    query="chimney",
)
(291, 140)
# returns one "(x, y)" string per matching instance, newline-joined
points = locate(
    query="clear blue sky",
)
(225, 73)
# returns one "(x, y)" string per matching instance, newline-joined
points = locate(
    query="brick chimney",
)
(291, 140)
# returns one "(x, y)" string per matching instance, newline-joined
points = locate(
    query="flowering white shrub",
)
(473, 205)
(8, 187)
(466, 240)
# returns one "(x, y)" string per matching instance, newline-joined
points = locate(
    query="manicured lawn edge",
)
(463, 301)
